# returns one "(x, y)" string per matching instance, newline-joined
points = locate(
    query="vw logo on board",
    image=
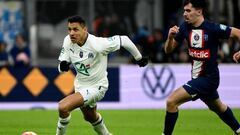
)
(158, 81)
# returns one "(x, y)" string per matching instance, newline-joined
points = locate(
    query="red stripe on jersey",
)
(202, 39)
(190, 38)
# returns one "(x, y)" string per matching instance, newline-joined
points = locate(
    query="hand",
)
(236, 57)
(64, 66)
(23, 57)
(173, 31)
(142, 62)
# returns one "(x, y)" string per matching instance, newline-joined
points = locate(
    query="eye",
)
(75, 29)
(188, 10)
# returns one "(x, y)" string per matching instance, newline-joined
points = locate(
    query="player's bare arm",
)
(236, 33)
(170, 43)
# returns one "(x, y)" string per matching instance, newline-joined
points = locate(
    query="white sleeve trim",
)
(59, 70)
(126, 43)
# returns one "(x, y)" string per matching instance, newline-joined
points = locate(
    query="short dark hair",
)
(78, 19)
(202, 4)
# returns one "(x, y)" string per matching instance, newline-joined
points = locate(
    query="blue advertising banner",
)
(41, 84)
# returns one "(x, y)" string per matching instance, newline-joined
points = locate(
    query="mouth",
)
(187, 20)
(72, 38)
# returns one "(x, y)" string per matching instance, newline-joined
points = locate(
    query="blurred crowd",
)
(151, 44)
(14, 48)
(113, 18)
(18, 55)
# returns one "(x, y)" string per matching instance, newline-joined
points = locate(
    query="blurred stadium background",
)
(38, 85)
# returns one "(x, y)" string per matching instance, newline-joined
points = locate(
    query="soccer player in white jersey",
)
(88, 55)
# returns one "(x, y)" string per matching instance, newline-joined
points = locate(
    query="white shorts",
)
(92, 95)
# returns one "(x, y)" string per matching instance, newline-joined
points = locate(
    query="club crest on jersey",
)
(196, 37)
(90, 55)
(81, 54)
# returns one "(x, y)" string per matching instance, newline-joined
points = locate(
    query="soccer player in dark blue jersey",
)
(203, 41)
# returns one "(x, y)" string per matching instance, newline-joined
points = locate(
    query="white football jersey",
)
(90, 60)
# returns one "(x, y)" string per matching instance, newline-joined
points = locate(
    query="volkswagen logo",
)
(158, 82)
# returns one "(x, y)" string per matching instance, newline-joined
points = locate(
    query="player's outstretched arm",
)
(235, 33)
(170, 43)
(130, 47)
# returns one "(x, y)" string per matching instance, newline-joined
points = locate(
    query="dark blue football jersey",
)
(203, 42)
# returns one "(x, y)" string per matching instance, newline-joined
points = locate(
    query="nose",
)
(71, 32)
(184, 13)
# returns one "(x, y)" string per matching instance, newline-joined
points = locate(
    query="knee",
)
(218, 108)
(90, 118)
(62, 108)
(171, 104)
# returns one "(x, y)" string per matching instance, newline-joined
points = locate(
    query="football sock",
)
(100, 127)
(229, 119)
(238, 131)
(170, 121)
(62, 125)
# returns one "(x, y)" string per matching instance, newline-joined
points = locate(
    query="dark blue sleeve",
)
(222, 31)
(180, 35)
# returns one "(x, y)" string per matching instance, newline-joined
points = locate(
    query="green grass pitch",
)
(119, 122)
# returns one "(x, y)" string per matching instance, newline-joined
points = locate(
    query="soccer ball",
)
(29, 133)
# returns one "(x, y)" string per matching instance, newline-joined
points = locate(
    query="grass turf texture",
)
(119, 122)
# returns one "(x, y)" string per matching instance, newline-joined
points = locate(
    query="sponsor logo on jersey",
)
(223, 27)
(111, 38)
(202, 54)
(81, 68)
(71, 50)
(90, 55)
(205, 37)
(81, 54)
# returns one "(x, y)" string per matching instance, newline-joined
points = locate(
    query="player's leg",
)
(65, 106)
(177, 98)
(90, 114)
(225, 113)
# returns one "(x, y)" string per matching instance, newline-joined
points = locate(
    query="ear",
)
(200, 12)
(85, 28)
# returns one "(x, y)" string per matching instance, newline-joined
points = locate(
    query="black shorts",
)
(203, 87)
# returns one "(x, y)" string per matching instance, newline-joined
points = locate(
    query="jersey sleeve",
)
(180, 35)
(64, 54)
(107, 45)
(222, 31)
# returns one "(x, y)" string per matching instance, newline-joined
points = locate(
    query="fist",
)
(142, 62)
(236, 57)
(173, 31)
